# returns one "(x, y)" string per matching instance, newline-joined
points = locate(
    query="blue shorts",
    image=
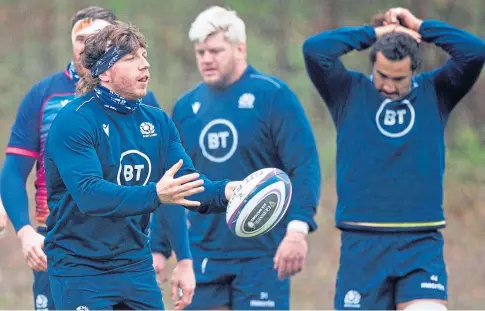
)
(117, 291)
(42, 292)
(379, 270)
(241, 284)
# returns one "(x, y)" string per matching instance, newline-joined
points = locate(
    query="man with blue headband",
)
(110, 161)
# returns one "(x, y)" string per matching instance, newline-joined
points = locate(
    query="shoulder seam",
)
(193, 89)
(266, 78)
(85, 102)
(145, 105)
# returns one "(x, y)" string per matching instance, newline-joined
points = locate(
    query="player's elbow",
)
(89, 201)
(477, 54)
(480, 49)
(310, 46)
(318, 54)
(316, 45)
(90, 208)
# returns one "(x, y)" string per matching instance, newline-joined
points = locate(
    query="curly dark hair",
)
(118, 34)
(397, 46)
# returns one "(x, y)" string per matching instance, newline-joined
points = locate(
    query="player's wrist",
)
(186, 262)
(230, 188)
(298, 226)
(417, 24)
(23, 231)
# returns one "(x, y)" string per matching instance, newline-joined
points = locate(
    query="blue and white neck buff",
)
(72, 73)
(111, 100)
(107, 97)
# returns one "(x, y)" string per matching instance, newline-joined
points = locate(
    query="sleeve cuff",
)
(186, 254)
(298, 226)
(159, 247)
(371, 33)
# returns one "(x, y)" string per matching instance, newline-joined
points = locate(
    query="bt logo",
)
(135, 168)
(395, 119)
(218, 140)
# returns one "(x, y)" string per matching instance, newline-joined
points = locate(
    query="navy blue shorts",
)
(122, 291)
(42, 292)
(379, 270)
(241, 284)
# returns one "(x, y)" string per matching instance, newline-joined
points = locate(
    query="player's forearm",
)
(212, 199)
(321, 53)
(159, 240)
(329, 45)
(297, 150)
(172, 223)
(306, 182)
(465, 48)
(13, 180)
(98, 197)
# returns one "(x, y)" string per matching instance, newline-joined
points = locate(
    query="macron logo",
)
(195, 107)
(106, 129)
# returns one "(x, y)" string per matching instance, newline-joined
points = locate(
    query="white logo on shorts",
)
(263, 295)
(41, 302)
(352, 299)
(218, 140)
(82, 308)
(433, 284)
(263, 302)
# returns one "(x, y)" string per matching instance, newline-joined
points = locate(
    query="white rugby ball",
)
(259, 203)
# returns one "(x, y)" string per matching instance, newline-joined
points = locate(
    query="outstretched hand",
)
(172, 190)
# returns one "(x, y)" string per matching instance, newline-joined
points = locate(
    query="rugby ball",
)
(259, 203)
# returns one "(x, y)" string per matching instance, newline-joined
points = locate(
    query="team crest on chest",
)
(395, 118)
(246, 101)
(147, 129)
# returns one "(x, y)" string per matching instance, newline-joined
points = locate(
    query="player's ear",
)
(105, 76)
(241, 48)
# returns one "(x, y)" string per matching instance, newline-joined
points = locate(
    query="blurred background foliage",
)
(36, 42)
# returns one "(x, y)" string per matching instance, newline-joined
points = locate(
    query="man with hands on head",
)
(391, 155)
